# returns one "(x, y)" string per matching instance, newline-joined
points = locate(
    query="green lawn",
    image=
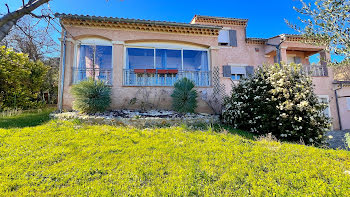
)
(69, 158)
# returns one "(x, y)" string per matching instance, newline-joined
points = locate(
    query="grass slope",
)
(69, 158)
(26, 119)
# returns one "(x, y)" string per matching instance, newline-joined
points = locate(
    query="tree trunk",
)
(10, 19)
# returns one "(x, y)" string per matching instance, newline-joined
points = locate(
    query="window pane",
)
(140, 58)
(84, 63)
(102, 70)
(195, 60)
(168, 59)
(223, 36)
(103, 57)
(103, 63)
(237, 76)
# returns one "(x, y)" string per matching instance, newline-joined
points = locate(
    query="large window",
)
(162, 67)
(187, 60)
(93, 61)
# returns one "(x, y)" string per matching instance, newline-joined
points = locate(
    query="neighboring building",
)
(142, 59)
(342, 91)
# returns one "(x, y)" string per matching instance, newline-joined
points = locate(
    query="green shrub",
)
(184, 96)
(278, 100)
(21, 81)
(91, 96)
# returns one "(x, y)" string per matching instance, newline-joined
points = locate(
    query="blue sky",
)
(266, 17)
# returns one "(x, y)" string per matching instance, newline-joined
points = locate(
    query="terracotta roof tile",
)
(116, 19)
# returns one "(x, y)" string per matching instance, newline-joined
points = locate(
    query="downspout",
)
(60, 105)
(278, 49)
(337, 103)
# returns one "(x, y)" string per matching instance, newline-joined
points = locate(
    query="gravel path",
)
(336, 139)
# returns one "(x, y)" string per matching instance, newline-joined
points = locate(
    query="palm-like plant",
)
(184, 96)
(91, 96)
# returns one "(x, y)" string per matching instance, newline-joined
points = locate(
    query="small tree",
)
(21, 80)
(184, 96)
(277, 100)
(91, 96)
(328, 22)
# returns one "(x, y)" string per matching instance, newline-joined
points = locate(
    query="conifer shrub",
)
(278, 100)
(91, 96)
(184, 96)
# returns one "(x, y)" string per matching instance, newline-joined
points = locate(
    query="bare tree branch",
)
(8, 9)
(40, 16)
(10, 19)
(28, 8)
(30, 38)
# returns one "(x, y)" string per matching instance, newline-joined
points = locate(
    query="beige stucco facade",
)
(343, 94)
(199, 34)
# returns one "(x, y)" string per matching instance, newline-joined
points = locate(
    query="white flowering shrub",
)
(347, 139)
(277, 100)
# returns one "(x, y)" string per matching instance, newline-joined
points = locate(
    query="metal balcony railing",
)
(155, 78)
(96, 73)
(316, 70)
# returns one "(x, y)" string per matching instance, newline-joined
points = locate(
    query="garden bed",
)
(140, 118)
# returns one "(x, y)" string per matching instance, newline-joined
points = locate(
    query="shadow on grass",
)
(228, 129)
(26, 119)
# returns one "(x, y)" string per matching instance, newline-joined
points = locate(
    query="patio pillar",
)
(324, 57)
(214, 57)
(70, 55)
(118, 63)
(63, 91)
(215, 62)
(283, 54)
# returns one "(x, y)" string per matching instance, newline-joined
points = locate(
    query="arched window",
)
(93, 60)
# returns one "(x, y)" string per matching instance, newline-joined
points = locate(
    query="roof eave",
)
(139, 21)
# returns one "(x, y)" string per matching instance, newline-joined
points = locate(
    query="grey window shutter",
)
(233, 38)
(249, 70)
(226, 70)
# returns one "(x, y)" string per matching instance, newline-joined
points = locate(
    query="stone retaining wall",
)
(138, 121)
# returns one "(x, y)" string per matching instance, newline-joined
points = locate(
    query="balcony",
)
(95, 73)
(316, 70)
(153, 77)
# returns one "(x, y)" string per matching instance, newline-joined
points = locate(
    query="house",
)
(142, 59)
(342, 95)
